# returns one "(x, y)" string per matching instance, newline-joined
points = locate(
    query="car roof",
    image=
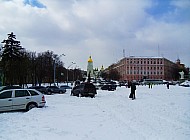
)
(51, 86)
(37, 87)
(17, 89)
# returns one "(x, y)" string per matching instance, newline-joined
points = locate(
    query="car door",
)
(21, 99)
(6, 100)
(56, 89)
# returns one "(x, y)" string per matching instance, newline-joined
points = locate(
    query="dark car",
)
(41, 89)
(65, 87)
(109, 87)
(84, 89)
(9, 87)
(55, 89)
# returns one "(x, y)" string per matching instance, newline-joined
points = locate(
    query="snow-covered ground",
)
(157, 113)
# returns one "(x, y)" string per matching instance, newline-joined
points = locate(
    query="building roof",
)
(149, 57)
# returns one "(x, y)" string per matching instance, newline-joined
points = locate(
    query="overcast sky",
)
(100, 28)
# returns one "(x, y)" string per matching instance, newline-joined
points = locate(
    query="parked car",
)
(84, 89)
(109, 87)
(42, 89)
(10, 87)
(55, 89)
(185, 84)
(20, 99)
(65, 87)
(122, 84)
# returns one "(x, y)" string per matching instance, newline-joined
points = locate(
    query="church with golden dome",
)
(93, 73)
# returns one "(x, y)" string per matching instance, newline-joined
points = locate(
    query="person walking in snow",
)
(168, 85)
(133, 88)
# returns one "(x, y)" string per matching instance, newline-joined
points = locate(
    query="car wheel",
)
(60, 92)
(49, 93)
(92, 96)
(30, 106)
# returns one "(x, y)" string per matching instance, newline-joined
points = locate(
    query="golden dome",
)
(90, 59)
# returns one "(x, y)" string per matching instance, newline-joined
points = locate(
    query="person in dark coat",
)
(133, 88)
(168, 85)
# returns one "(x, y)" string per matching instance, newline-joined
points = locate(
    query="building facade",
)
(138, 68)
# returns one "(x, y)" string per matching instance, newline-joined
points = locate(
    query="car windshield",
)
(89, 85)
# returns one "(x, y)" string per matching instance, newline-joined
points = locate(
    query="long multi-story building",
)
(138, 68)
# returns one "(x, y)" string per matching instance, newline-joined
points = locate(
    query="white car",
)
(21, 99)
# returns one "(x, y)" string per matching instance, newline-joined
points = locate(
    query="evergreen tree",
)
(11, 54)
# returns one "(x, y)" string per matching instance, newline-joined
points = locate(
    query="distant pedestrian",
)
(168, 85)
(133, 88)
(150, 85)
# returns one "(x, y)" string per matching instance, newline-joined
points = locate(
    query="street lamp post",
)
(54, 68)
(74, 69)
(72, 63)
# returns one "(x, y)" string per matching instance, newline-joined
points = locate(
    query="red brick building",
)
(138, 68)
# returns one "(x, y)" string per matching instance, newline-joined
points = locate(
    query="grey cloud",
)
(80, 28)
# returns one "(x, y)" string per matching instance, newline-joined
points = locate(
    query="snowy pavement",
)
(156, 114)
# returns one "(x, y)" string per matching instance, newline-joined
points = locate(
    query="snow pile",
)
(157, 113)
